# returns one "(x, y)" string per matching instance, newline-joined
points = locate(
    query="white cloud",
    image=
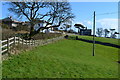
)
(104, 23)
(88, 23)
(107, 23)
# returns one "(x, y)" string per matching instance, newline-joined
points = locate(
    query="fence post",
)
(52, 40)
(14, 41)
(44, 42)
(26, 42)
(34, 43)
(23, 42)
(8, 46)
(29, 43)
(0, 48)
(37, 42)
(18, 40)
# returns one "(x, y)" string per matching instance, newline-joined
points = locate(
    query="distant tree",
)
(112, 31)
(66, 26)
(115, 34)
(99, 32)
(106, 32)
(55, 28)
(61, 27)
(71, 31)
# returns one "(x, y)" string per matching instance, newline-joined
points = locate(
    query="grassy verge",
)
(101, 39)
(64, 59)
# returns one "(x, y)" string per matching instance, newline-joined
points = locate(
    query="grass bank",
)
(101, 39)
(64, 59)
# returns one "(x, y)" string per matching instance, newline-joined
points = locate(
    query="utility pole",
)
(94, 35)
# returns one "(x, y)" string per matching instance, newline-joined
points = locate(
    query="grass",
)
(101, 39)
(64, 59)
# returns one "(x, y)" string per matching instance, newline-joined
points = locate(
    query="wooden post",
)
(52, 39)
(46, 42)
(8, 46)
(26, 42)
(14, 41)
(0, 48)
(34, 43)
(18, 40)
(42, 42)
(38, 42)
(22, 41)
(29, 43)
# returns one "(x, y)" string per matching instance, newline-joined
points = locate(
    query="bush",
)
(46, 36)
(7, 33)
(22, 27)
(4, 26)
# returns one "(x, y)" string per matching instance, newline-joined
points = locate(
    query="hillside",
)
(101, 39)
(64, 59)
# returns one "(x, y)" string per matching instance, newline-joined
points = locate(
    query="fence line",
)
(8, 44)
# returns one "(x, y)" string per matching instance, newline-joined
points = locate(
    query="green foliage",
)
(22, 27)
(4, 26)
(46, 35)
(64, 59)
(7, 33)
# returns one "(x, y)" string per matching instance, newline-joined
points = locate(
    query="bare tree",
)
(112, 33)
(99, 32)
(58, 13)
(30, 10)
(66, 26)
(106, 32)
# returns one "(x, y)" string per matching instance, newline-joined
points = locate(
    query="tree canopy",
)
(55, 13)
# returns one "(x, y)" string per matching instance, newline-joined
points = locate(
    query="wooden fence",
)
(11, 42)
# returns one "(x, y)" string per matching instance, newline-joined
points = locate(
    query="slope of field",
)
(101, 39)
(64, 59)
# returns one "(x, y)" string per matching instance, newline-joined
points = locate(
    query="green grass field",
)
(64, 59)
(101, 39)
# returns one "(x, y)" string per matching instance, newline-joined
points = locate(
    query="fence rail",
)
(10, 42)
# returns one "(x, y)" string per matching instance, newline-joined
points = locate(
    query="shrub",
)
(4, 26)
(46, 36)
(7, 33)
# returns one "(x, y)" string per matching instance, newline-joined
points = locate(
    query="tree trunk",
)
(31, 31)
